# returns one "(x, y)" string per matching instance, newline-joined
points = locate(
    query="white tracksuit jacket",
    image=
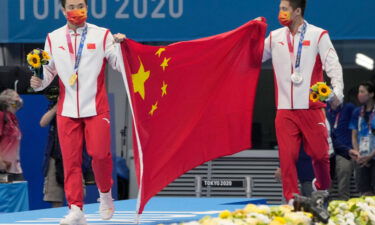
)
(318, 53)
(87, 97)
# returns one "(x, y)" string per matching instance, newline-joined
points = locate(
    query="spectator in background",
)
(362, 125)
(10, 134)
(52, 166)
(339, 116)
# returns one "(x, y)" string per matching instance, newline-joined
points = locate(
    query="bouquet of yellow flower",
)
(36, 58)
(354, 211)
(257, 215)
(320, 92)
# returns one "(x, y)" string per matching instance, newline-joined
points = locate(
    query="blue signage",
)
(29, 21)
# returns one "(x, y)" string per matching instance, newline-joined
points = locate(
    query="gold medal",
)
(73, 79)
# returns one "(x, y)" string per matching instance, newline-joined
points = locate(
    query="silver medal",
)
(296, 78)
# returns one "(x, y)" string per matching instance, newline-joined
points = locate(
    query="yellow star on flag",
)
(164, 89)
(139, 80)
(160, 50)
(154, 107)
(165, 63)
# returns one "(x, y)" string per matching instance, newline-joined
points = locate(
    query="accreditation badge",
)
(73, 79)
(364, 146)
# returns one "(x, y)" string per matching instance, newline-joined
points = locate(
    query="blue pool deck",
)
(157, 211)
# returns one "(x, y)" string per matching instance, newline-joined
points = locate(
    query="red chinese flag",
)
(192, 102)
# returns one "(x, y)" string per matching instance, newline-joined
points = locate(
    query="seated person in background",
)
(10, 134)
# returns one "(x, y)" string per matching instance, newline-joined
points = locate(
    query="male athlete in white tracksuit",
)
(300, 52)
(80, 52)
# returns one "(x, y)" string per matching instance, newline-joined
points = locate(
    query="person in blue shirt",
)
(363, 127)
(339, 117)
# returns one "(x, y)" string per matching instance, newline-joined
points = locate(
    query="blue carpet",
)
(158, 210)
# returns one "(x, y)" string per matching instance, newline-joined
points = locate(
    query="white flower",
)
(298, 218)
(262, 218)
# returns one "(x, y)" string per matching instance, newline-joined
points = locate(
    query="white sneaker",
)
(313, 185)
(106, 208)
(291, 202)
(74, 217)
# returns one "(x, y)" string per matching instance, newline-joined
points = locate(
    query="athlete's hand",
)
(35, 82)
(119, 37)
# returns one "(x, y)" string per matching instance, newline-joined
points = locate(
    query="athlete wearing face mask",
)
(80, 52)
(363, 137)
(77, 17)
(299, 52)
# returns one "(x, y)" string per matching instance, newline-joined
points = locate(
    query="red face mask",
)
(77, 16)
(285, 18)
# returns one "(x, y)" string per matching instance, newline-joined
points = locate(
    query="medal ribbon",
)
(76, 58)
(297, 61)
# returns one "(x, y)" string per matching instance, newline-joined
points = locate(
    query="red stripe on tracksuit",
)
(274, 77)
(49, 43)
(60, 101)
(101, 96)
(321, 35)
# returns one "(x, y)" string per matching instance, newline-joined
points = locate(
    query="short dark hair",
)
(298, 4)
(63, 2)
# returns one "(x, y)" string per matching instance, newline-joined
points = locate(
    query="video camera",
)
(316, 204)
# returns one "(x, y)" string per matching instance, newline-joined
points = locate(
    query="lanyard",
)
(338, 110)
(299, 51)
(361, 117)
(336, 120)
(76, 58)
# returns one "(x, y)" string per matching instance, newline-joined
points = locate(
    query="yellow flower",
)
(278, 221)
(45, 55)
(314, 87)
(314, 97)
(34, 60)
(239, 213)
(308, 215)
(324, 90)
(225, 214)
(36, 51)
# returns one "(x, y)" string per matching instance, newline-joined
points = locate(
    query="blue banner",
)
(29, 21)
